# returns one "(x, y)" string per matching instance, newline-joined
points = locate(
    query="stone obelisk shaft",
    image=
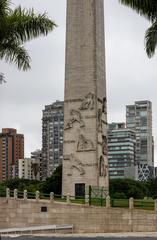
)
(85, 121)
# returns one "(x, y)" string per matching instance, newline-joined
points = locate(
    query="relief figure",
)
(99, 119)
(84, 144)
(76, 163)
(88, 102)
(104, 105)
(102, 167)
(104, 145)
(75, 117)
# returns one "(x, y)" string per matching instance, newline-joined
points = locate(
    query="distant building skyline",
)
(138, 118)
(139, 121)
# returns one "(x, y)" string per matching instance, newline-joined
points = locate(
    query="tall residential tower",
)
(139, 118)
(52, 138)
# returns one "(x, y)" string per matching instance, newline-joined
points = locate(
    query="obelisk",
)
(85, 118)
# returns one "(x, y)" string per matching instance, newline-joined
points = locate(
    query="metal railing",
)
(124, 203)
(35, 229)
(145, 204)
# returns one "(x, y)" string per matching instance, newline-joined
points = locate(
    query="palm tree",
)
(2, 78)
(16, 27)
(148, 9)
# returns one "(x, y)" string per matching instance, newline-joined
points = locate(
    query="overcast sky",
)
(131, 76)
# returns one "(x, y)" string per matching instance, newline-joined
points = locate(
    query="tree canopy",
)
(148, 9)
(52, 184)
(126, 188)
(18, 26)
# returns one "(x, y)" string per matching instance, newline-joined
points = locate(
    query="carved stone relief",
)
(88, 102)
(104, 105)
(102, 167)
(75, 163)
(84, 144)
(75, 117)
(104, 145)
(79, 168)
(99, 119)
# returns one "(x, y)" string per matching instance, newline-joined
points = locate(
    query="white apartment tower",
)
(139, 118)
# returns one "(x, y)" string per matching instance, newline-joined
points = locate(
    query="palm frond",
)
(14, 52)
(18, 26)
(146, 8)
(26, 25)
(2, 78)
(4, 8)
(151, 39)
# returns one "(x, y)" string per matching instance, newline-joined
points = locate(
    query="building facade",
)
(52, 138)
(121, 150)
(85, 115)
(29, 169)
(139, 118)
(11, 150)
(25, 170)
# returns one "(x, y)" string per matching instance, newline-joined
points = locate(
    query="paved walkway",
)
(106, 235)
(99, 236)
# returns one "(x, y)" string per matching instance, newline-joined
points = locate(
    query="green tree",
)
(148, 9)
(2, 190)
(126, 188)
(22, 184)
(152, 188)
(16, 27)
(54, 183)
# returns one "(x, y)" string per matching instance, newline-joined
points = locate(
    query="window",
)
(44, 209)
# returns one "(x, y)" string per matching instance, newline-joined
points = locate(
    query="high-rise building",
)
(11, 150)
(52, 138)
(25, 169)
(85, 115)
(139, 118)
(121, 149)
